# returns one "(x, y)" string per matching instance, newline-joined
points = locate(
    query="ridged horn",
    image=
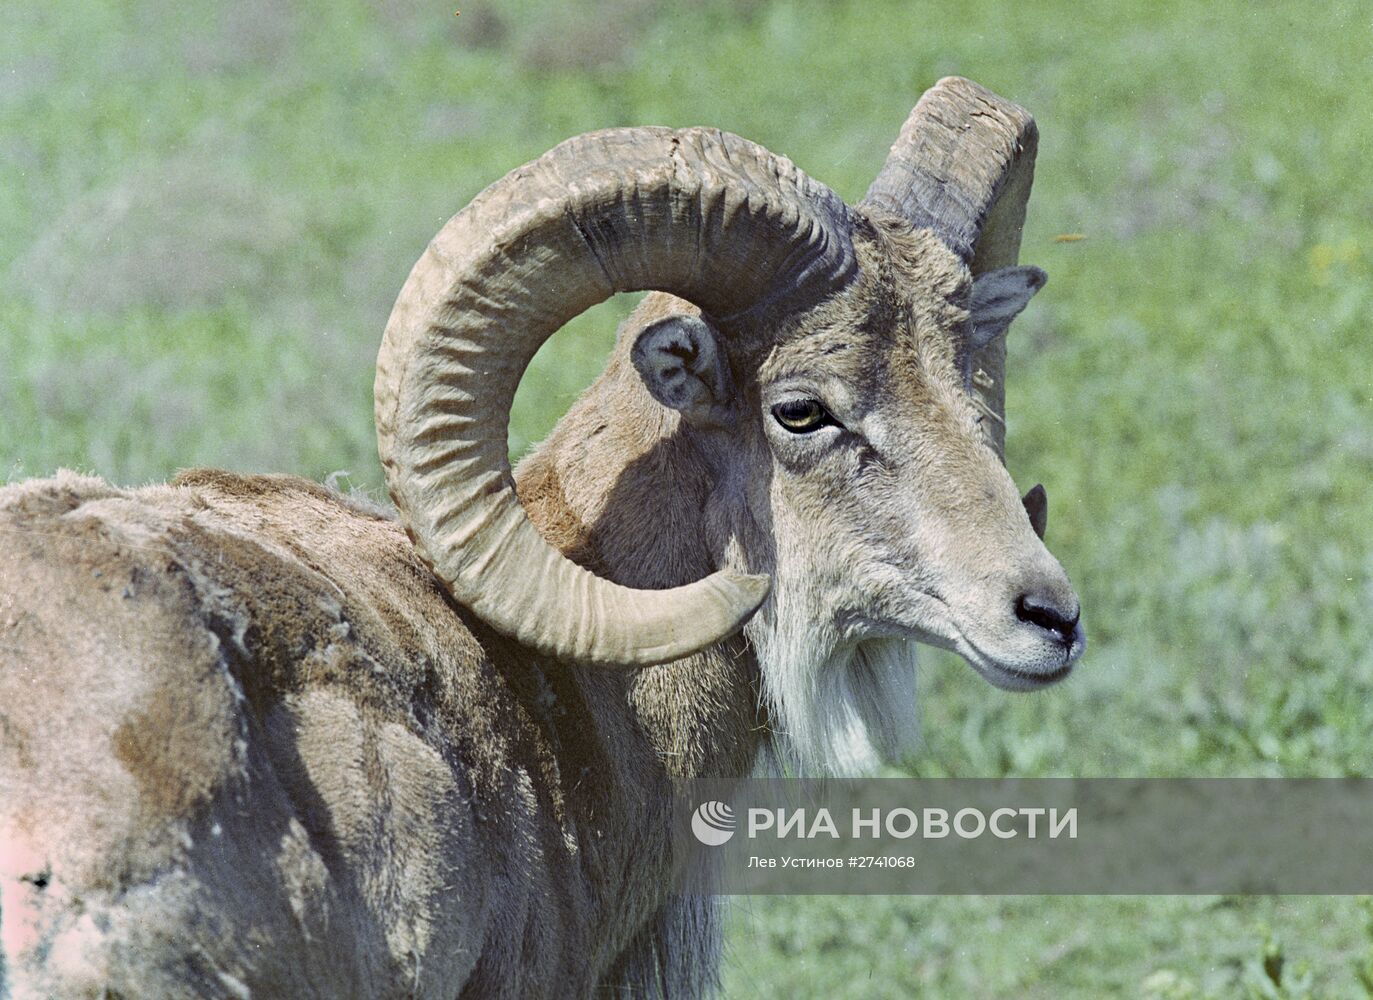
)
(963, 166)
(702, 214)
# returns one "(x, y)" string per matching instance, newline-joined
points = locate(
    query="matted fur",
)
(249, 747)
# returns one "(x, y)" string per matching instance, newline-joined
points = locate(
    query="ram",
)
(260, 740)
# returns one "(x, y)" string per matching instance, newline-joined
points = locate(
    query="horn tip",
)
(751, 589)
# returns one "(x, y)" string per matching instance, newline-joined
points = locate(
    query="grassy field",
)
(206, 210)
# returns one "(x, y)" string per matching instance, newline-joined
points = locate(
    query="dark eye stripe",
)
(800, 416)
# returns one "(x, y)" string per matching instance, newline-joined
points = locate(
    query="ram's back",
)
(245, 740)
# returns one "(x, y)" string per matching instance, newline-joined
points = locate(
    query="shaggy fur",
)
(249, 747)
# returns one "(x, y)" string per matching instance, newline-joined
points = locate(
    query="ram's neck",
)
(620, 489)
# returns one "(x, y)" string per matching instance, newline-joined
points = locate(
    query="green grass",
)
(206, 209)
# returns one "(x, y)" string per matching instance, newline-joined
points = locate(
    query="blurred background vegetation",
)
(207, 208)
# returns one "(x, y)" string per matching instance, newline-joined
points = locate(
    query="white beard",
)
(840, 710)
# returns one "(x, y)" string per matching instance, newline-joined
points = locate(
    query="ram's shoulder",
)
(225, 682)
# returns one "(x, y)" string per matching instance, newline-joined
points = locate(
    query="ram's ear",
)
(680, 360)
(998, 298)
(1037, 506)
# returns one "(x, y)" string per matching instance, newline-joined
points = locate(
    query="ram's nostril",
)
(1044, 613)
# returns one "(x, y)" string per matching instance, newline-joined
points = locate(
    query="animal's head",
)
(842, 366)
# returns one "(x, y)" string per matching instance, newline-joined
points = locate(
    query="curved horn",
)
(963, 166)
(702, 214)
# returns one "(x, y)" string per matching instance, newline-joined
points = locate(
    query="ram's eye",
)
(800, 416)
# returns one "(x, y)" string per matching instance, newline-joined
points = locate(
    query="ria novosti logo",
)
(713, 823)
